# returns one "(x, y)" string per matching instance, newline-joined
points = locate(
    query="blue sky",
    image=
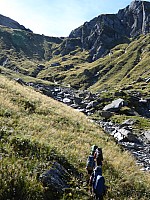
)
(57, 17)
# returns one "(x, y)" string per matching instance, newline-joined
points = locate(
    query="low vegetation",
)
(36, 130)
(65, 62)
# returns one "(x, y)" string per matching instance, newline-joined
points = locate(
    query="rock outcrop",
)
(97, 36)
(10, 23)
(115, 105)
(138, 145)
(107, 30)
(56, 178)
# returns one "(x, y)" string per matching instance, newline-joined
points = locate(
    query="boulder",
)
(147, 135)
(118, 136)
(56, 178)
(127, 135)
(128, 122)
(115, 105)
(106, 114)
(77, 100)
(91, 104)
(67, 101)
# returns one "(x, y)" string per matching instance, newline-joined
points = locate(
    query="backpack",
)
(90, 163)
(97, 171)
(99, 187)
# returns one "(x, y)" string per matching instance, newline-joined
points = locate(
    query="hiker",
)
(90, 165)
(98, 156)
(97, 182)
(93, 149)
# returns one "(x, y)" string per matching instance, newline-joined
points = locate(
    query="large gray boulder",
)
(115, 105)
(126, 135)
(56, 178)
(147, 135)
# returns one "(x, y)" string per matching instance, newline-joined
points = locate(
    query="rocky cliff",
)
(102, 33)
(6, 21)
(107, 30)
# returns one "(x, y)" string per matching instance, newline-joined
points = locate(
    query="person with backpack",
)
(97, 182)
(90, 164)
(98, 156)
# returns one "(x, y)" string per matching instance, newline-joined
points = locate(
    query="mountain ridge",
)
(71, 60)
(104, 32)
(97, 34)
(6, 21)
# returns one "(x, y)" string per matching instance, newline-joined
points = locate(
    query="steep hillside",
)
(68, 60)
(23, 52)
(16, 42)
(36, 131)
(126, 64)
(6, 21)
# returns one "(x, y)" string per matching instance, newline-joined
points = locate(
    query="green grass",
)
(37, 130)
(140, 122)
(125, 63)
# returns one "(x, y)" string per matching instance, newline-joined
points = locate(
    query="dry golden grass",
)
(45, 122)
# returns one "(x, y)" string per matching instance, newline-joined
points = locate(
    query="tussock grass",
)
(37, 130)
(125, 63)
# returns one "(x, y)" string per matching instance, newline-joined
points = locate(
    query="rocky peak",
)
(135, 18)
(8, 22)
(107, 30)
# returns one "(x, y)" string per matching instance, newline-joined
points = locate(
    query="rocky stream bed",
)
(86, 102)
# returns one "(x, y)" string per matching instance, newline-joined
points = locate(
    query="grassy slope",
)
(33, 126)
(25, 51)
(133, 62)
(124, 65)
